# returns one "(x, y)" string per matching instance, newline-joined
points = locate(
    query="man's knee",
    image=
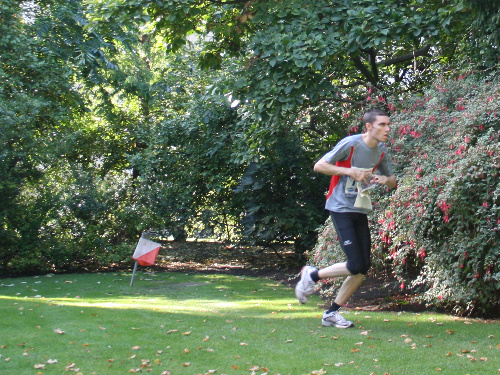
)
(356, 269)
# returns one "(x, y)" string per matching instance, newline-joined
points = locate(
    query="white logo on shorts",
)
(347, 242)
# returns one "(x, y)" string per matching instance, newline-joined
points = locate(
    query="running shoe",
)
(305, 287)
(334, 318)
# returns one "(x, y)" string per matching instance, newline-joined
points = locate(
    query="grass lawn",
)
(178, 323)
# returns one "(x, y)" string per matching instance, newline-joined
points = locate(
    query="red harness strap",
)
(335, 178)
(347, 164)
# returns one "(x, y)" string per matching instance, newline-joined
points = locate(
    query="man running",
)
(352, 164)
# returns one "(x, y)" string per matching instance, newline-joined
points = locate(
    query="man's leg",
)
(335, 270)
(354, 235)
(356, 245)
(350, 285)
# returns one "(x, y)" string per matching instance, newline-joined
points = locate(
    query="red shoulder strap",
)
(380, 161)
(335, 179)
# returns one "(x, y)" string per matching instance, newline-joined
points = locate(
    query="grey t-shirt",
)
(352, 152)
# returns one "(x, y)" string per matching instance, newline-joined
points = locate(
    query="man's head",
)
(377, 125)
(371, 115)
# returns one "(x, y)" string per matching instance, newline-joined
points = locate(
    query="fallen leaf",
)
(187, 364)
(449, 331)
(243, 344)
(70, 366)
(136, 347)
(254, 368)
(59, 331)
(318, 372)
(40, 366)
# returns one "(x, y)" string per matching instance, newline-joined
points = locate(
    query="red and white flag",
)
(146, 252)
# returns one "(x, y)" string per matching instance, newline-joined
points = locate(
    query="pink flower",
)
(422, 253)
(485, 204)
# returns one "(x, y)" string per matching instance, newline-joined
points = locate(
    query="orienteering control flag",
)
(146, 252)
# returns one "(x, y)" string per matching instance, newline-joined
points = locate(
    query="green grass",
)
(199, 324)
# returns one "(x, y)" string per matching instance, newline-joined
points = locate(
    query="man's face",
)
(379, 129)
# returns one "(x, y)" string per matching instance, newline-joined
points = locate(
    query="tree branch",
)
(362, 68)
(373, 62)
(409, 56)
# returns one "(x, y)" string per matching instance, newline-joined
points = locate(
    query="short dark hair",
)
(371, 115)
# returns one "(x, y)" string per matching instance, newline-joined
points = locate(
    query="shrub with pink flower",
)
(438, 232)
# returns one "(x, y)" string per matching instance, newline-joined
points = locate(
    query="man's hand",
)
(389, 181)
(359, 175)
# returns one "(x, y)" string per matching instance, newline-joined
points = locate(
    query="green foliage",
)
(36, 100)
(57, 211)
(281, 194)
(441, 225)
(187, 172)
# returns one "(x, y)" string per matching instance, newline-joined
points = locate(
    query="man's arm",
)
(324, 167)
(389, 181)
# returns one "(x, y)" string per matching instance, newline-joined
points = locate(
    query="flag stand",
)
(144, 236)
(133, 273)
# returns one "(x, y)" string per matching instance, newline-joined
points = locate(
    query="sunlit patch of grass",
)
(193, 323)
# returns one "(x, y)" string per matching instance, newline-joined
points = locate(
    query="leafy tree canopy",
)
(298, 52)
